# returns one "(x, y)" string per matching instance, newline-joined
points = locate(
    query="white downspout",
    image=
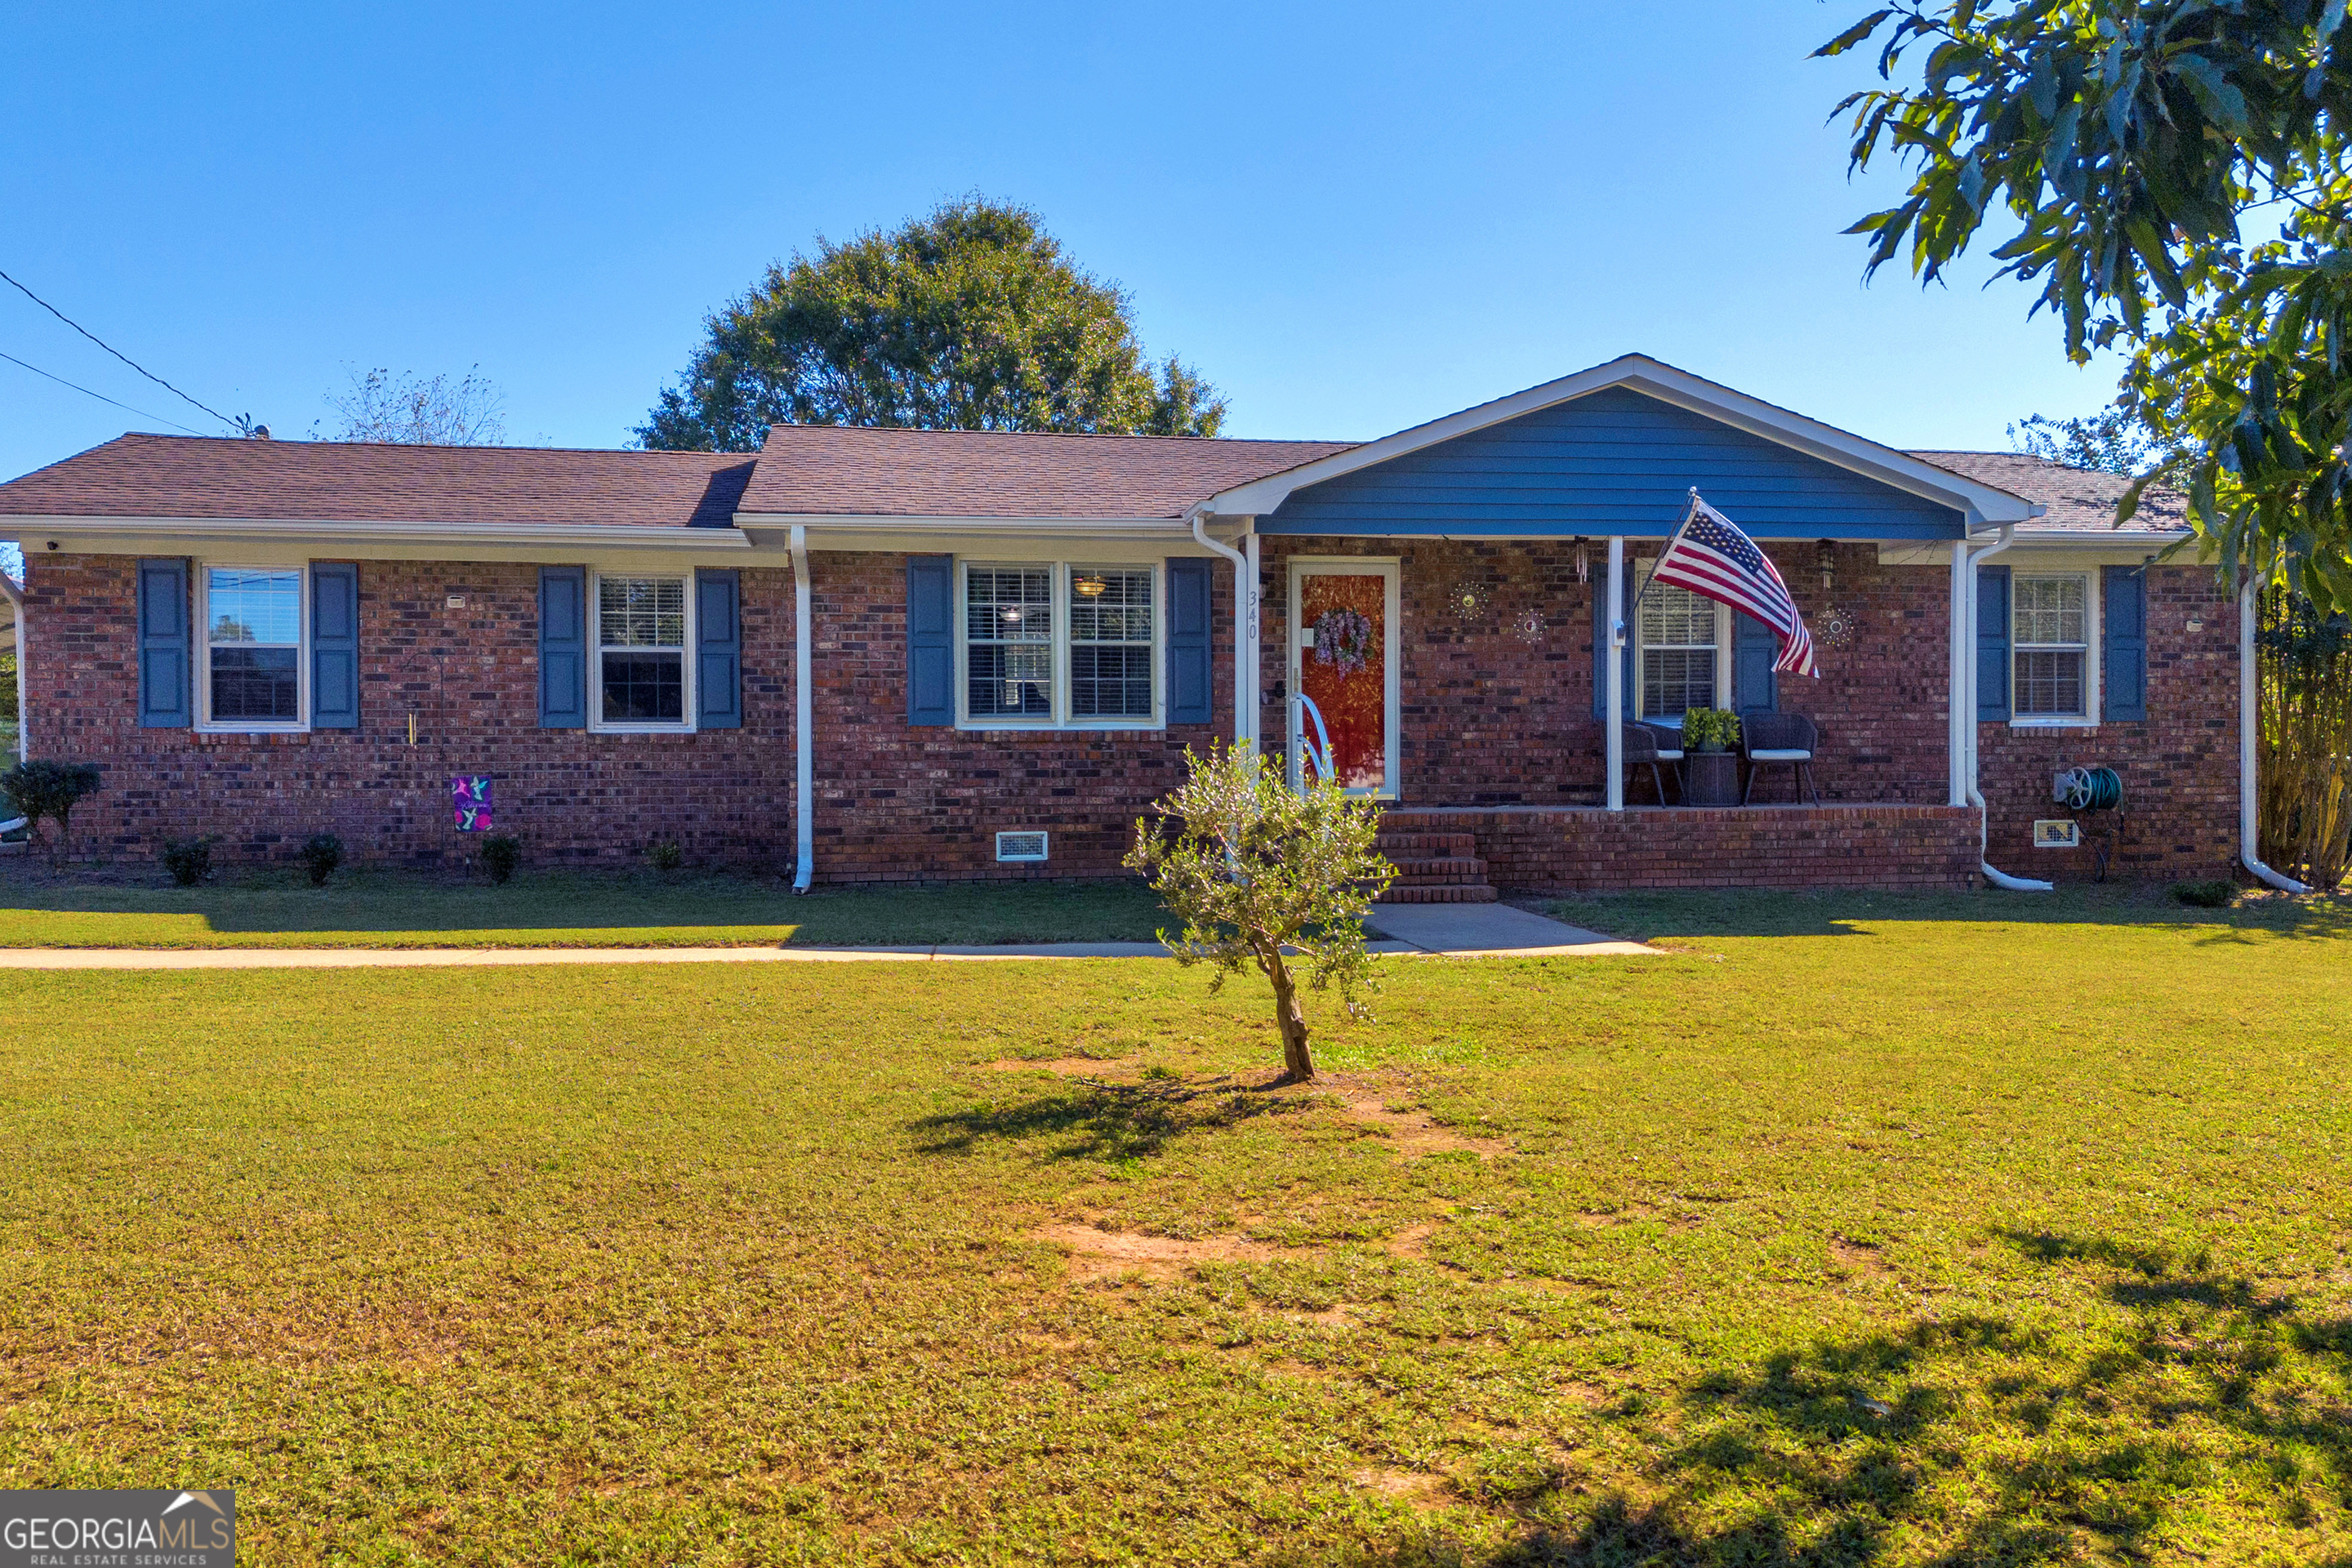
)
(804, 717)
(2249, 803)
(1613, 713)
(1243, 583)
(24, 715)
(1956, 732)
(1969, 720)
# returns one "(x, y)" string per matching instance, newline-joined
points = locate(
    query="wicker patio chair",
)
(1789, 738)
(1641, 746)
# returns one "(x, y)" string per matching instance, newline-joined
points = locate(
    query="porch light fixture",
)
(1089, 586)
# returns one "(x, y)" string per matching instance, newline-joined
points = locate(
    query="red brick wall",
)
(1489, 719)
(1811, 846)
(469, 677)
(2179, 768)
(902, 803)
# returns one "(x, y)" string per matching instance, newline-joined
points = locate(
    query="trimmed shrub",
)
(2218, 894)
(190, 860)
(45, 789)
(667, 855)
(322, 853)
(502, 853)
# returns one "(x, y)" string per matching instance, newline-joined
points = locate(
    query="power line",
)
(61, 380)
(118, 353)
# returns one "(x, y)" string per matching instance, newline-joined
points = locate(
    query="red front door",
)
(1342, 655)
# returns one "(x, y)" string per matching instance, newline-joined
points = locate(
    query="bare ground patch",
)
(1413, 1488)
(1064, 1067)
(1860, 1258)
(1106, 1254)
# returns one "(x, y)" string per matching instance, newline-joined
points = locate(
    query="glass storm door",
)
(1343, 659)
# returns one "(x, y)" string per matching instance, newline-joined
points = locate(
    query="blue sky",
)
(1351, 218)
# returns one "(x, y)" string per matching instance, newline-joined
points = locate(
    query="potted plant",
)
(1710, 773)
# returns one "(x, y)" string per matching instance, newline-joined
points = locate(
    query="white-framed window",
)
(643, 626)
(2051, 678)
(1682, 644)
(1053, 645)
(255, 622)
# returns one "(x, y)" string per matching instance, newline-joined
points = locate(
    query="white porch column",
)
(1251, 655)
(1615, 711)
(803, 719)
(1963, 713)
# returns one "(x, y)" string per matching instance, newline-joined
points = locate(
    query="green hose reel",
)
(2087, 789)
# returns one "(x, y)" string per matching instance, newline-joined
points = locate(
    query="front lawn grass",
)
(559, 908)
(1921, 1242)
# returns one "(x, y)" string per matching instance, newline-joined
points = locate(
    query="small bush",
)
(41, 788)
(502, 853)
(322, 853)
(1710, 730)
(2218, 894)
(667, 855)
(190, 860)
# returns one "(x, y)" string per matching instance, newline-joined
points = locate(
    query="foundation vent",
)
(1021, 846)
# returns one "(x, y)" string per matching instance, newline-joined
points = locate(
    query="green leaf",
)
(1853, 35)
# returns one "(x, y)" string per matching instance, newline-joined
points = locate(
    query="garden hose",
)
(2091, 789)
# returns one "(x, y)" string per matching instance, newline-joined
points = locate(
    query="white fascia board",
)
(891, 522)
(330, 531)
(1983, 503)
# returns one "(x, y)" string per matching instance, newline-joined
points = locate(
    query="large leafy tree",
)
(970, 318)
(2177, 172)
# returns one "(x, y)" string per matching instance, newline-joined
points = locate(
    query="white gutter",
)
(2249, 805)
(1967, 701)
(17, 607)
(1243, 580)
(651, 536)
(804, 718)
(1613, 709)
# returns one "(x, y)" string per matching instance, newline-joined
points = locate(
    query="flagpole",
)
(1690, 515)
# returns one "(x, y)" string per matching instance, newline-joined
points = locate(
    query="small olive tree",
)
(1261, 873)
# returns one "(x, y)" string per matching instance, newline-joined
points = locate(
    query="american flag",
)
(1713, 559)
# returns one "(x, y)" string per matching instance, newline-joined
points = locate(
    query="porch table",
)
(1711, 778)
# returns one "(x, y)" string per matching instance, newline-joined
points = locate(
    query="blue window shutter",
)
(1189, 657)
(1754, 686)
(1992, 643)
(2122, 632)
(1601, 644)
(165, 652)
(930, 633)
(334, 645)
(562, 647)
(718, 648)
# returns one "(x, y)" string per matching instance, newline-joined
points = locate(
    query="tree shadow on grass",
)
(2180, 1406)
(1752, 912)
(1090, 1119)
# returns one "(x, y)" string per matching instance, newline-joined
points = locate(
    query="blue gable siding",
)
(1610, 462)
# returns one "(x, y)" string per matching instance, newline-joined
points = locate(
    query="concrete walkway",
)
(1495, 931)
(1458, 931)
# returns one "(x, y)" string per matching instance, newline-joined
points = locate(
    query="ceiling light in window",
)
(1090, 584)
(1011, 614)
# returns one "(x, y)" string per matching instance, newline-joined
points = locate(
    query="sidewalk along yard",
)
(551, 909)
(1903, 1241)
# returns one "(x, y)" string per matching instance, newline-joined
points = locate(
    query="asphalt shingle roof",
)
(228, 478)
(844, 471)
(2078, 498)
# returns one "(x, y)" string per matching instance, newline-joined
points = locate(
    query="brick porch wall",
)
(1590, 850)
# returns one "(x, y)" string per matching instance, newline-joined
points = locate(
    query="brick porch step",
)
(1412, 872)
(1405, 846)
(1458, 893)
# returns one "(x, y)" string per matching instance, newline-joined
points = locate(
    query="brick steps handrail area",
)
(1434, 869)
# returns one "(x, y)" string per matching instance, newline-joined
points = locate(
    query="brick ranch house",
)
(900, 655)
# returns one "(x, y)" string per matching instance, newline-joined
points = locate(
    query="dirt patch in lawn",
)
(1860, 1258)
(1064, 1067)
(1106, 1254)
(1413, 1488)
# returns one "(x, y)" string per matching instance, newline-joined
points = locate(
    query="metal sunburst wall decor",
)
(1528, 625)
(1835, 629)
(1468, 598)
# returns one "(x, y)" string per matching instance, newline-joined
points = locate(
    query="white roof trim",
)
(898, 523)
(666, 537)
(1983, 503)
